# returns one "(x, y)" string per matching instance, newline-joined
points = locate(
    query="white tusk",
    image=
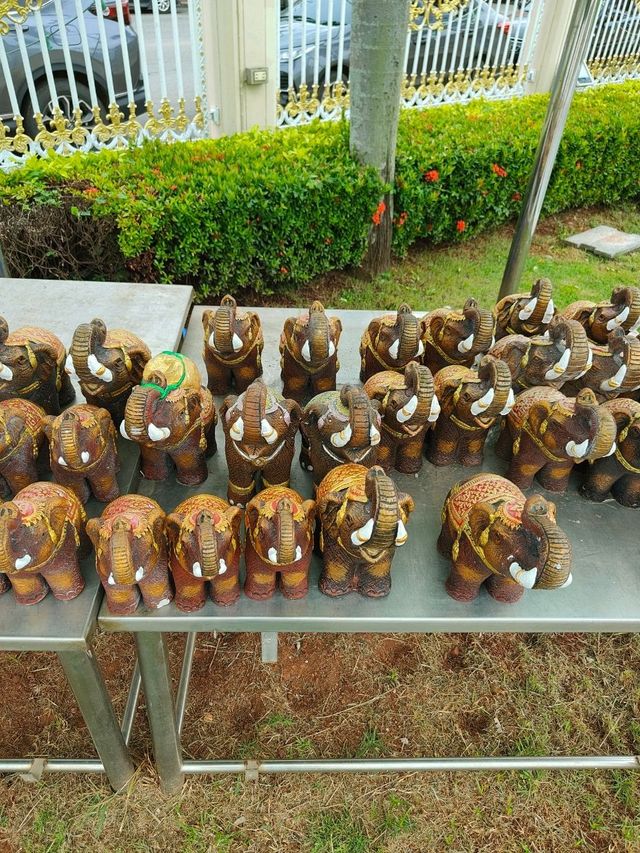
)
(408, 410)
(111, 580)
(560, 366)
(528, 309)
(212, 341)
(525, 577)
(614, 447)
(69, 366)
(420, 348)
(577, 450)
(483, 403)
(618, 320)
(298, 553)
(363, 534)
(510, 403)
(635, 328)
(237, 430)
(21, 562)
(567, 582)
(123, 431)
(393, 349)
(272, 554)
(547, 317)
(339, 439)
(374, 436)
(332, 348)
(5, 372)
(61, 461)
(85, 456)
(616, 381)
(434, 411)
(401, 535)
(267, 431)
(196, 570)
(588, 365)
(466, 344)
(163, 603)
(236, 342)
(139, 573)
(99, 370)
(306, 351)
(222, 566)
(158, 433)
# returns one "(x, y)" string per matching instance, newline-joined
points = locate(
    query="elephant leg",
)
(598, 483)
(409, 455)
(241, 484)
(28, 588)
(555, 476)
(338, 570)
(247, 372)
(218, 376)
(471, 448)
(4, 583)
(375, 581)
(156, 586)
(445, 540)
(294, 583)
(76, 483)
(387, 451)
(294, 379)
(504, 589)
(325, 380)
(504, 444)
(63, 572)
(369, 366)
(191, 592)
(260, 582)
(305, 455)
(278, 472)
(443, 446)
(210, 439)
(122, 599)
(21, 474)
(190, 462)
(67, 393)
(154, 463)
(467, 575)
(225, 589)
(104, 485)
(523, 470)
(627, 490)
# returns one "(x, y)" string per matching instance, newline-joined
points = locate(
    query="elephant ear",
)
(15, 426)
(254, 325)
(251, 517)
(479, 519)
(207, 323)
(172, 525)
(227, 404)
(47, 425)
(58, 518)
(287, 331)
(139, 358)
(157, 522)
(327, 507)
(336, 329)
(93, 531)
(537, 414)
(194, 404)
(46, 358)
(309, 509)
(407, 505)
(234, 514)
(295, 412)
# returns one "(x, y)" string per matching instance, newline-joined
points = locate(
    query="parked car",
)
(164, 6)
(617, 24)
(52, 32)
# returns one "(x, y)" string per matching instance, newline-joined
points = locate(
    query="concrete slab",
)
(605, 241)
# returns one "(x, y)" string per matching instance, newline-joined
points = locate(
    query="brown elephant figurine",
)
(260, 429)
(408, 408)
(615, 369)
(108, 364)
(619, 473)
(83, 452)
(491, 532)
(546, 434)
(309, 352)
(621, 311)
(233, 344)
(390, 342)
(561, 355)
(203, 533)
(21, 438)
(457, 337)
(525, 313)
(279, 525)
(471, 401)
(363, 519)
(338, 427)
(131, 554)
(172, 416)
(32, 366)
(42, 536)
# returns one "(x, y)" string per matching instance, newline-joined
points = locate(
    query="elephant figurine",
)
(546, 434)
(32, 366)
(618, 473)
(338, 427)
(108, 364)
(309, 352)
(491, 533)
(279, 525)
(390, 342)
(561, 355)
(131, 554)
(21, 438)
(471, 401)
(260, 429)
(525, 313)
(233, 343)
(83, 452)
(42, 536)
(172, 416)
(615, 369)
(363, 519)
(408, 409)
(457, 337)
(623, 311)
(203, 534)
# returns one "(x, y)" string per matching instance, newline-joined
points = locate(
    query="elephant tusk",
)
(139, 573)
(339, 439)
(614, 447)
(158, 433)
(69, 366)
(547, 317)
(5, 372)
(393, 349)
(123, 431)
(268, 432)
(525, 577)
(374, 436)
(163, 603)
(196, 569)
(236, 342)
(588, 366)
(99, 370)
(237, 430)
(510, 403)
(420, 349)
(85, 456)
(618, 320)
(62, 461)
(616, 381)
(212, 341)
(408, 410)
(401, 535)
(22, 562)
(272, 555)
(483, 403)
(567, 582)
(577, 451)
(528, 309)
(298, 553)
(363, 534)
(560, 366)
(633, 331)
(434, 411)
(306, 351)
(111, 580)
(466, 344)
(332, 348)
(223, 566)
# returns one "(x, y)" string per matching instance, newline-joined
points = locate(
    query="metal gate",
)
(92, 74)
(614, 51)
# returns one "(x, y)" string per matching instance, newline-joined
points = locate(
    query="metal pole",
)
(185, 675)
(562, 91)
(4, 273)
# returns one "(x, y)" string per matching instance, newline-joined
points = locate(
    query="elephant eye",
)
(349, 519)
(466, 396)
(393, 403)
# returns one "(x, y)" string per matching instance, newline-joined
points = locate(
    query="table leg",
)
(88, 687)
(156, 686)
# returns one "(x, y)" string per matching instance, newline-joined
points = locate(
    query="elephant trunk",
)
(253, 413)
(359, 415)
(578, 342)
(318, 333)
(287, 538)
(207, 546)
(9, 511)
(419, 382)
(135, 413)
(69, 441)
(498, 397)
(408, 334)
(555, 572)
(224, 325)
(541, 292)
(121, 561)
(383, 495)
(604, 443)
(85, 352)
(484, 329)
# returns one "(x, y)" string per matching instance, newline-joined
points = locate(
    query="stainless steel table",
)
(605, 594)
(158, 314)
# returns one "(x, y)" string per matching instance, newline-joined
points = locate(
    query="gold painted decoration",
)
(15, 12)
(429, 13)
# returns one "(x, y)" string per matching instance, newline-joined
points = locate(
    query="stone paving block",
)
(605, 241)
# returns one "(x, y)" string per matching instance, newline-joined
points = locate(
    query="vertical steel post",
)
(564, 84)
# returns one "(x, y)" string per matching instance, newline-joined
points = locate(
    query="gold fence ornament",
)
(15, 12)
(429, 13)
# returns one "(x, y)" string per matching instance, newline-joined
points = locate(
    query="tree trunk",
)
(378, 38)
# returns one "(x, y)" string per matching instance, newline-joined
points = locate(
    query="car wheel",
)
(65, 103)
(164, 6)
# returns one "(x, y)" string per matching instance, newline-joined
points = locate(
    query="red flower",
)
(516, 196)
(432, 176)
(499, 171)
(283, 270)
(460, 225)
(402, 218)
(377, 216)
(91, 191)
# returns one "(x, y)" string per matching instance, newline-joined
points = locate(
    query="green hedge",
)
(263, 208)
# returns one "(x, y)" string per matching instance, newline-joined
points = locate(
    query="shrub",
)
(271, 207)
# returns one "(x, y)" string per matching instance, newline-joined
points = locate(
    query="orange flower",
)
(499, 171)
(402, 218)
(431, 176)
(460, 225)
(516, 196)
(377, 216)
(91, 191)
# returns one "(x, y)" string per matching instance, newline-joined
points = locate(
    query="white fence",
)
(614, 52)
